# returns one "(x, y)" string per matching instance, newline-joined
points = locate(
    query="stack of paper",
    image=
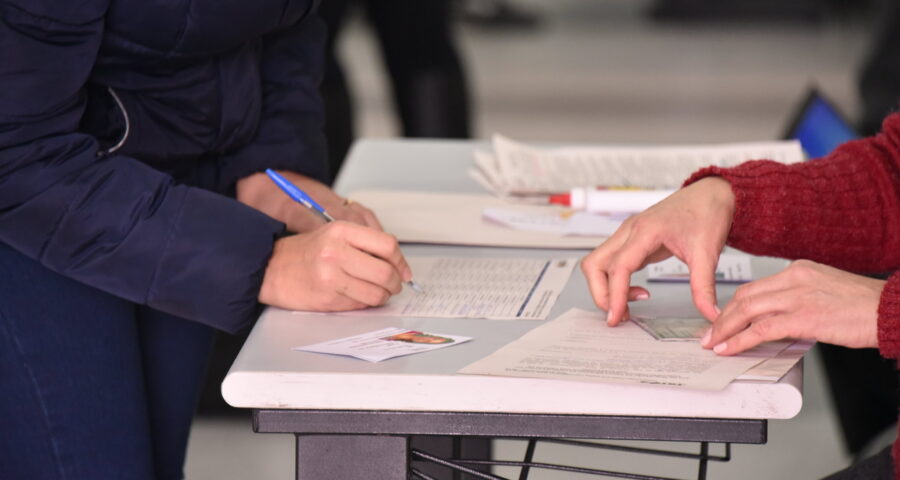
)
(517, 169)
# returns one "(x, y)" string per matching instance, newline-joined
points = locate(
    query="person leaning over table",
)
(125, 126)
(835, 215)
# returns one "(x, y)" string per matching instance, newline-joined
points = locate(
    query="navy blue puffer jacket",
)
(210, 91)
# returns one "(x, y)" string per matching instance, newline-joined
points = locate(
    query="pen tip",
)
(415, 286)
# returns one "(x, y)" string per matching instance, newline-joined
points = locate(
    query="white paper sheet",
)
(494, 288)
(772, 369)
(732, 268)
(385, 343)
(518, 169)
(562, 222)
(456, 219)
(580, 346)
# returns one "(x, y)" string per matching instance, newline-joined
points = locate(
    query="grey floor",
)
(597, 71)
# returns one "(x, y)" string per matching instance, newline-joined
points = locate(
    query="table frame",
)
(380, 444)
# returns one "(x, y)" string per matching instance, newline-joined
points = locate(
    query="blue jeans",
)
(91, 386)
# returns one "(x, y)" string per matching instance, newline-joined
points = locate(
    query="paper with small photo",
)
(385, 343)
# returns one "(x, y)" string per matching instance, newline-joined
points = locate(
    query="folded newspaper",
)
(513, 168)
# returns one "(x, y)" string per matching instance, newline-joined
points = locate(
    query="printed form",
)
(579, 346)
(494, 288)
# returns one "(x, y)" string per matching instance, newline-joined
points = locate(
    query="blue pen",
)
(301, 197)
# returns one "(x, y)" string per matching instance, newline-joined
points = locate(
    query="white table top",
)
(268, 374)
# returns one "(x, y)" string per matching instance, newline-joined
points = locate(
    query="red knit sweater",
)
(842, 210)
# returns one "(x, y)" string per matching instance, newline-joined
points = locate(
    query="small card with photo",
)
(673, 329)
(385, 343)
(731, 269)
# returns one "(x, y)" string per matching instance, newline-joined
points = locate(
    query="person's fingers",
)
(747, 295)
(368, 216)
(342, 303)
(594, 265)
(363, 292)
(594, 269)
(751, 312)
(702, 267)
(638, 293)
(379, 244)
(628, 260)
(371, 269)
(353, 215)
(772, 327)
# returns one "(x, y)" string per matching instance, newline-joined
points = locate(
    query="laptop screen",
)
(819, 126)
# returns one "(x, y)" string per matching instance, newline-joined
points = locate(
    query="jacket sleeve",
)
(289, 135)
(842, 209)
(110, 222)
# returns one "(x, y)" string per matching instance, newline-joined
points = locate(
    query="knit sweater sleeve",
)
(889, 318)
(841, 210)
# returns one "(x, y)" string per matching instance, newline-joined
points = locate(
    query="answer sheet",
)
(580, 346)
(494, 288)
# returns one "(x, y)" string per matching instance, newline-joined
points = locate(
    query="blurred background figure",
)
(428, 84)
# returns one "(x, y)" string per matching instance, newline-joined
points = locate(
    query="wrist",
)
(719, 191)
(268, 288)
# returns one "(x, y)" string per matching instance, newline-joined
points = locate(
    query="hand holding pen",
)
(341, 266)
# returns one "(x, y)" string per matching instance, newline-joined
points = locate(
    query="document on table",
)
(457, 219)
(580, 346)
(514, 168)
(732, 268)
(676, 329)
(385, 343)
(494, 288)
(561, 222)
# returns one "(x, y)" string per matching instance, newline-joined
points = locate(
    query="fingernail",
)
(720, 347)
(706, 337)
(718, 312)
(642, 296)
(609, 316)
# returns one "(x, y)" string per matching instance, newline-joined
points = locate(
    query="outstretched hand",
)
(691, 224)
(806, 300)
